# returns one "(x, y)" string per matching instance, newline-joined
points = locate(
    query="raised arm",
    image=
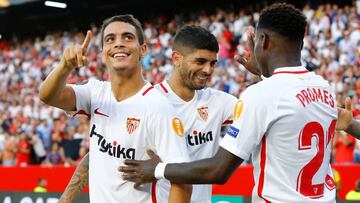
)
(346, 121)
(53, 90)
(78, 181)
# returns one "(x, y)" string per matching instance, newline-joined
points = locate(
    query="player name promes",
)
(310, 95)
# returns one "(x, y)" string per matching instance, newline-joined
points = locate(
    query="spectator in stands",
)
(331, 48)
(55, 156)
(23, 153)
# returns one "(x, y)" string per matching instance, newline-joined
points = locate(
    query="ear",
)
(143, 50)
(177, 58)
(265, 40)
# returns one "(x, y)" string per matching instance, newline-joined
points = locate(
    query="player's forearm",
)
(217, 169)
(354, 128)
(54, 83)
(78, 181)
(180, 193)
(199, 172)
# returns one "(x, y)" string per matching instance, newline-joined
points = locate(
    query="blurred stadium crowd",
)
(34, 133)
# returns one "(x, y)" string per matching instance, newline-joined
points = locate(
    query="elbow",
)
(43, 96)
(188, 188)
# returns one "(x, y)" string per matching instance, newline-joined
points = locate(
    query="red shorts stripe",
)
(153, 192)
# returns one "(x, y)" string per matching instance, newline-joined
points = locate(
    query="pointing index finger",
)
(86, 42)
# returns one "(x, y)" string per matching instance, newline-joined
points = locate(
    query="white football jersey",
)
(287, 123)
(203, 117)
(125, 130)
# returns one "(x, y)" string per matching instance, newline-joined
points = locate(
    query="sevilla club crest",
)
(132, 124)
(203, 112)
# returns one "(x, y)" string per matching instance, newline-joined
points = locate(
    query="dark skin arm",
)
(78, 181)
(247, 59)
(217, 169)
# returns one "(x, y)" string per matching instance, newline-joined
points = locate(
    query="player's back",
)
(294, 158)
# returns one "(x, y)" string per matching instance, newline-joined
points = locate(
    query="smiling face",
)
(195, 68)
(121, 48)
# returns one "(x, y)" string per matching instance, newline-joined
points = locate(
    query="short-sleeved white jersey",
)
(287, 123)
(203, 117)
(125, 130)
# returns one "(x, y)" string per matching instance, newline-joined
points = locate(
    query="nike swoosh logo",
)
(99, 113)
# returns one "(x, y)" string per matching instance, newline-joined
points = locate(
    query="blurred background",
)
(40, 146)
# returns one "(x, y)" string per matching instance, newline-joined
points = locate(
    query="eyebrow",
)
(122, 34)
(204, 60)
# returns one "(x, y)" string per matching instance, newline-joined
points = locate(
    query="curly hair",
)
(285, 20)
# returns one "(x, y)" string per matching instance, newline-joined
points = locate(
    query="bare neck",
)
(125, 87)
(284, 60)
(180, 90)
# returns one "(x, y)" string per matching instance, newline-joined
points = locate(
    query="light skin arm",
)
(217, 169)
(54, 91)
(78, 182)
(346, 121)
(180, 193)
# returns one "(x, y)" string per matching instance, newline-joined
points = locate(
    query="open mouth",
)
(120, 55)
(202, 77)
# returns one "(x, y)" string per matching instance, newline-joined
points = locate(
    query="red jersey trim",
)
(262, 169)
(153, 192)
(81, 112)
(163, 87)
(147, 90)
(291, 72)
(228, 122)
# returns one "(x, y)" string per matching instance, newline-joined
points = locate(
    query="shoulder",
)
(155, 100)
(210, 92)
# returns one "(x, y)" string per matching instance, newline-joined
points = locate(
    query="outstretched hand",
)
(139, 171)
(76, 56)
(247, 59)
(344, 116)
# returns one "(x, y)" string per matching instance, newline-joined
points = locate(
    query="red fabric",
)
(22, 157)
(343, 153)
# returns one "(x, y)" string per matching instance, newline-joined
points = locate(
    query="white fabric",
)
(160, 171)
(202, 133)
(125, 130)
(271, 128)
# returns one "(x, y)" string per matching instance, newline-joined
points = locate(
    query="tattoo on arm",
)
(78, 181)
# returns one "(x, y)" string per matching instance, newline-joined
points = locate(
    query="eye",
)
(213, 63)
(128, 37)
(109, 39)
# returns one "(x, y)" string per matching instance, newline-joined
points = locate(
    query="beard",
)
(188, 81)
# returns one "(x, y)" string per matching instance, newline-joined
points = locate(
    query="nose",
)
(208, 69)
(118, 43)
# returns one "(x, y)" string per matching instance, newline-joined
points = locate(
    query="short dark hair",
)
(128, 18)
(285, 20)
(195, 37)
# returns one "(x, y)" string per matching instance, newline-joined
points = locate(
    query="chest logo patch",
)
(178, 127)
(239, 107)
(203, 113)
(132, 124)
